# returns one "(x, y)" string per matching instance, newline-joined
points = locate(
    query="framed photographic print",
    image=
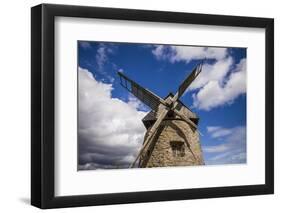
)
(140, 106)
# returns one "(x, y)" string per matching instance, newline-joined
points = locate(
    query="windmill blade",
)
(186, 83)
(151, 133)
(188, 146)
(144, 95)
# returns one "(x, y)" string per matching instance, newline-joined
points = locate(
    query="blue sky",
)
(218, 96)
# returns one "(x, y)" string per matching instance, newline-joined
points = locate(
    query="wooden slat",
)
(144, 95)
(185, 84)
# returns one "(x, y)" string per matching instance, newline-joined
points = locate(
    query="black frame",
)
(42, 105)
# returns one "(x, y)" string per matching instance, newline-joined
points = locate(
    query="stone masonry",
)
(175, 143)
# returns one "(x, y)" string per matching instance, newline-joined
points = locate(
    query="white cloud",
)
(102, 59)
(217, 131)
(137, 104)
(187, 53)
(217, 84)
(212, 72)
(102, 55)
(213, 128)
(217, 92)
(235, 157)
(85, 44)
(232, 149)
(215, 149)
(110, 130)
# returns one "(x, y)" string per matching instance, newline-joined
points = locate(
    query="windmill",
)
(172, 136)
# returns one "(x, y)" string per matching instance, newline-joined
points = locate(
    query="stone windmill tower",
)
(172, 137)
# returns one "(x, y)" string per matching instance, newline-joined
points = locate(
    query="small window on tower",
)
(177, 148)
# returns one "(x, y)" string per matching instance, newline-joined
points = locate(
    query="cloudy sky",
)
(110, 131)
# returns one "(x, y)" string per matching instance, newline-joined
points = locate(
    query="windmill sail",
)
(144, 95)
(151, 132)
(185, 84)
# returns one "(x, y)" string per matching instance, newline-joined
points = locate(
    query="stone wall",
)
(174, 144)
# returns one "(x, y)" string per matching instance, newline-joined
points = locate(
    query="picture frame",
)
(43, 99)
